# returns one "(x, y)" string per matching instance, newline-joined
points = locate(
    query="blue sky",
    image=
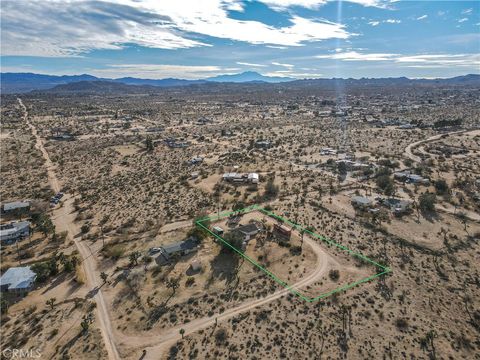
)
(203, 38)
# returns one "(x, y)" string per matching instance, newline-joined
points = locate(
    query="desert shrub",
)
(114, 251)
(427, 202)
(334, 275)
(220, 336)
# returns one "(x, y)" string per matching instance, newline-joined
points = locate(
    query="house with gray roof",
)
(14, 231)
(16, 206)
(180, 248)
(17, 280)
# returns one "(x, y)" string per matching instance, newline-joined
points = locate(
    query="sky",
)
(202, 38)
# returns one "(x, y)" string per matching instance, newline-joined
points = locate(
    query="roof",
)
(13, 227)
(248, 229)
(180, 246)
(18, 278)
(361, 200)
(253, 176)
(16, 205)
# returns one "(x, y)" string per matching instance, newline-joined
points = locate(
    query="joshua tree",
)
(427, 343)
(182, 332)
(104, 277)
(134, 256)
(51, 302)
(174, 284)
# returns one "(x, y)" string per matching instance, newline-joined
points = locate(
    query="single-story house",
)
(408, 177)
(179, 248)
(241, 178)
(18, 280)
(397, 206)
(16, 206)
(248, 231)
(361, 202)
(11, 232)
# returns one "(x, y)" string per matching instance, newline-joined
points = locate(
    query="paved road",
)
(88, 263)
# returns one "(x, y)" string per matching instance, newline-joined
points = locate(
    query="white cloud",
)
(373, 23)
(422, 17)
(160, 71)
(392, 21)
(314, 4)
(424, 60)
(250, 64)
(355, 56)
(463, 20)
(467, 11)
(282, 64)
(61, 28)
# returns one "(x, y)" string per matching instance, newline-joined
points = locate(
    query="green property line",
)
(385, 270)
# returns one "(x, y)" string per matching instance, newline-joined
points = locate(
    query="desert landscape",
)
(122, 268)
(240, 179)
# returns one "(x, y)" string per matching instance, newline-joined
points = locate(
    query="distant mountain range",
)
(25, 82)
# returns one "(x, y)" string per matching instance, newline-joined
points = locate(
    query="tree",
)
(174, 284)
(441, 187)
(182, 332)
(146, 260)
(51, 302)
(134, 256)
(44, 224)
(104, 277)
(427, 202)
(385, 183)
(149, 144)
(85, 324)
(271, 190)
(234, 239)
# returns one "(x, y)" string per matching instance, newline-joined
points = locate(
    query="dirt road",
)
(410, 147)
(66, 222)
(157, 344)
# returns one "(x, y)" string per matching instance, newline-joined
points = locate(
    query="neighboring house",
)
(360, 202)
(247, 232)
(180, 248)
(263, 144)
(18, 280)
(196, 160)
(16, 206)
(397, 206)
(11, 232)
(408, 177)
(241, 178)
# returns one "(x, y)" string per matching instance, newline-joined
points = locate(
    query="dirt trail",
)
(65, 222)
(157, 344)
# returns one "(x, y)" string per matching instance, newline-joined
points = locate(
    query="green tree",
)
(182, 332)
(441, 187)
(271, 190)
(427, 202)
